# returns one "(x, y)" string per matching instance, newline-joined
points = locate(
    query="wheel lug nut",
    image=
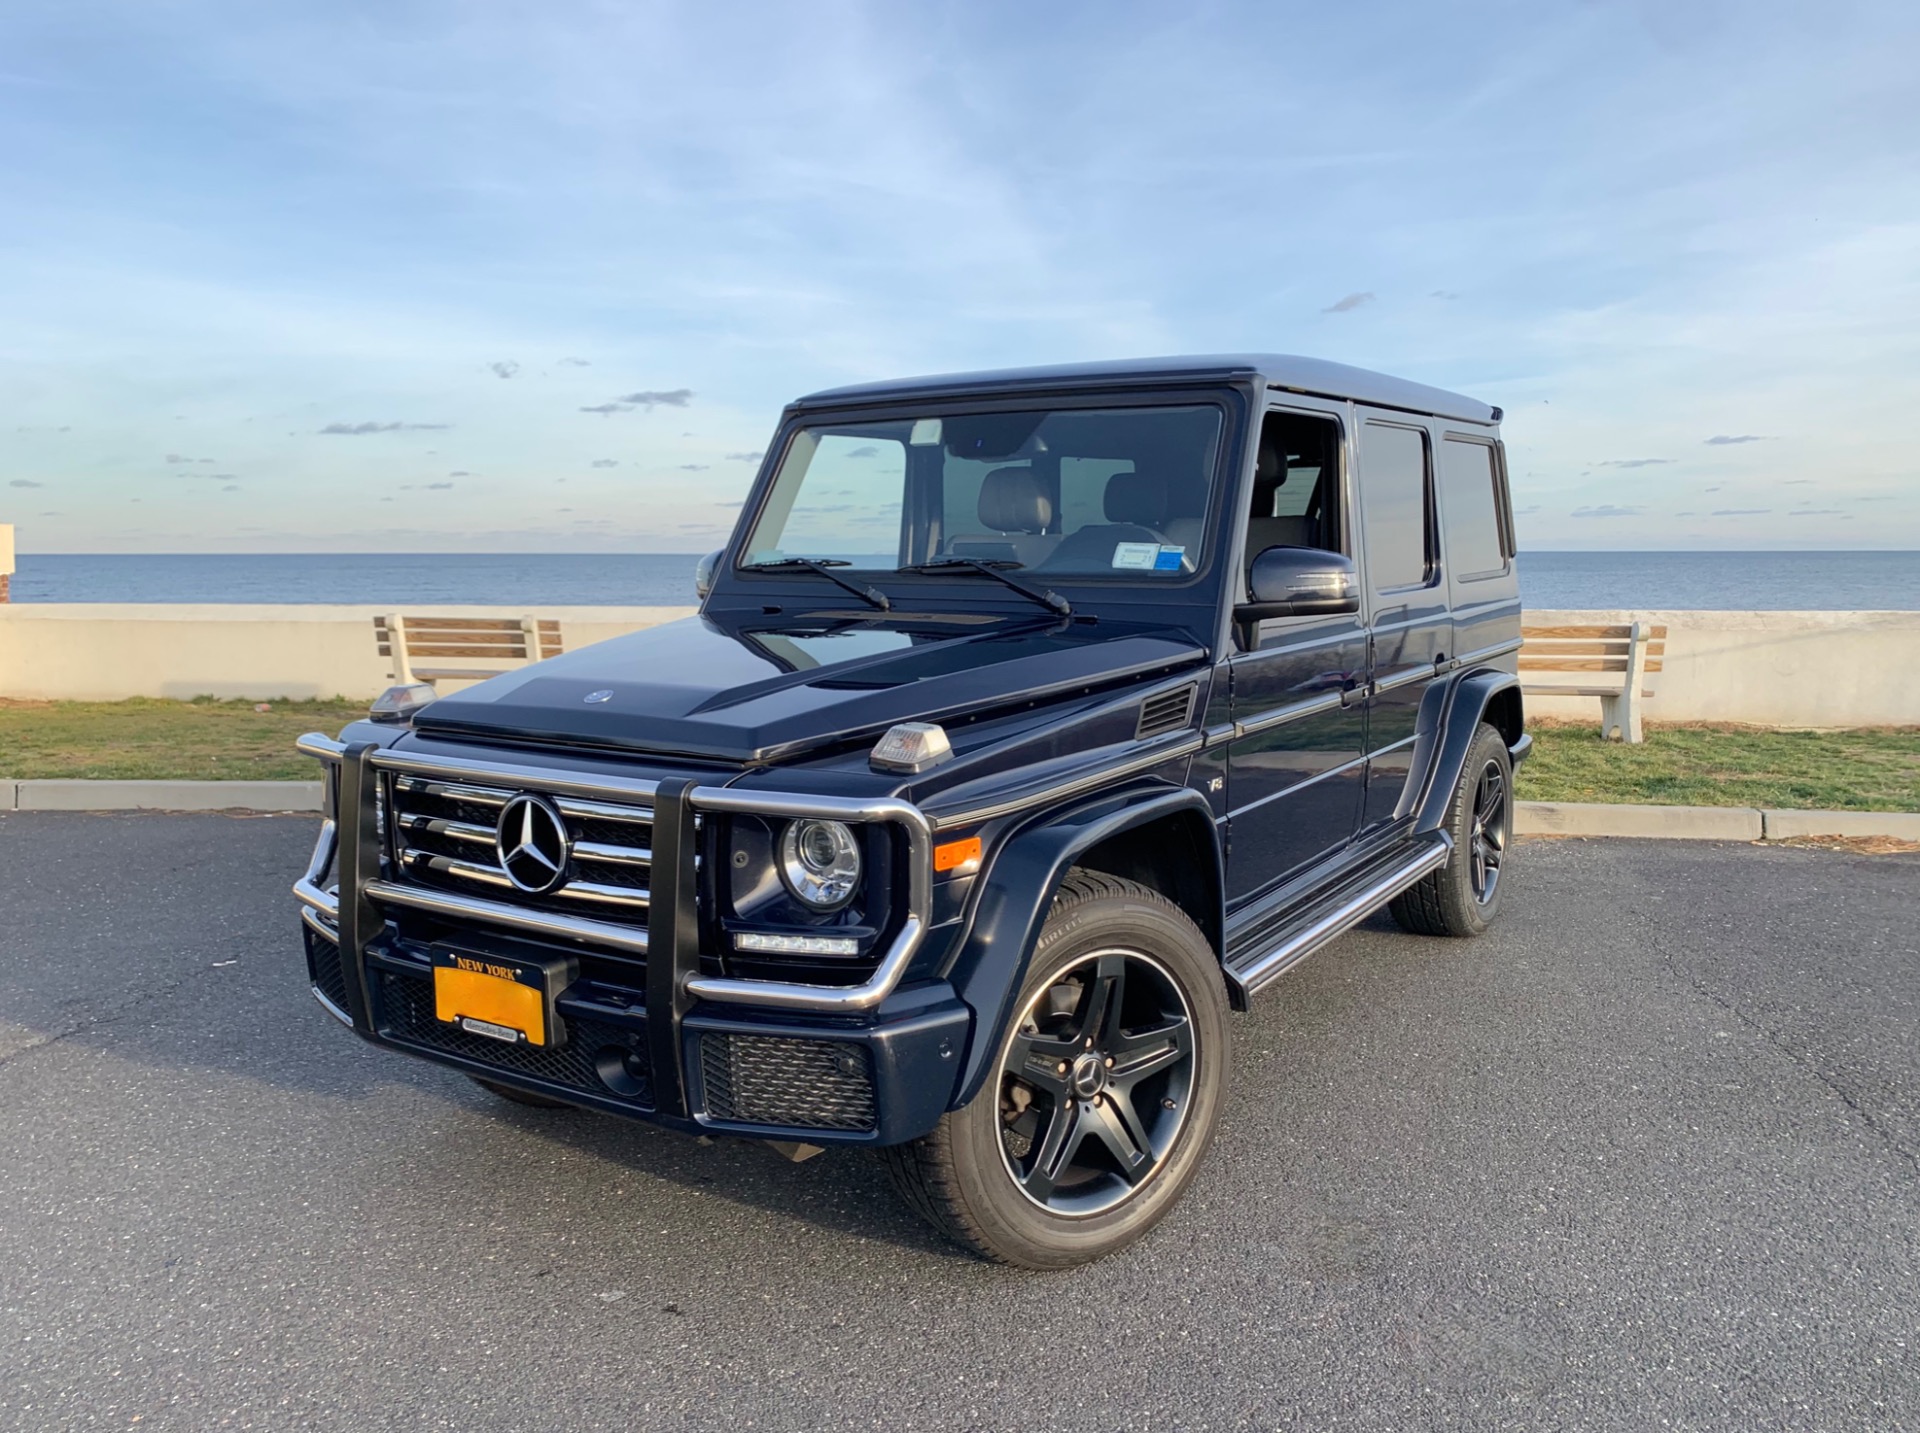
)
(1061, 1068)
(1166, 1104)
(1089, 1042)
(1109, 1062)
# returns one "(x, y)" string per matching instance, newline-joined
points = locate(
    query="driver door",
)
(1296, 774)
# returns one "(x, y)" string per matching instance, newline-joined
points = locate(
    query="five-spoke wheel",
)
(1095, 1082)
(1092, 1115)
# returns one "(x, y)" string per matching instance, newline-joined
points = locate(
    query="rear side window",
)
(1396, 494)
(1470, 501)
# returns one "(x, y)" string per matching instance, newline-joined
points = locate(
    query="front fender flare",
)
(1017, 891)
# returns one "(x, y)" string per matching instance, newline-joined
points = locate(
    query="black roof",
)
(1279, 370)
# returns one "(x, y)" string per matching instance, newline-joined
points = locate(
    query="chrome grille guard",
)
(320, 905)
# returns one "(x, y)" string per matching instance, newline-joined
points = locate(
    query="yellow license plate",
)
(485, 995)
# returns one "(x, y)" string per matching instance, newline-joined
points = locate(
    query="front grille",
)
(804, 1084)
(323, 967)
(442, 836)
(598, 1057)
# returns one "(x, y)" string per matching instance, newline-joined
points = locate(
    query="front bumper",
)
(657, 1039)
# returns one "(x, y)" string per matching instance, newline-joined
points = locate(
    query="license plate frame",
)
(509, 998)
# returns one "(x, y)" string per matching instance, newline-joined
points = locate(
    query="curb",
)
(78, 795)
(1705, 823)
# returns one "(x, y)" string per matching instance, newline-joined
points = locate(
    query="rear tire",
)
(1104, 1093)
(521, 1097)
(1463, 896)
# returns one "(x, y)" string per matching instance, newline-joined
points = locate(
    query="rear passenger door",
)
(1409, 625)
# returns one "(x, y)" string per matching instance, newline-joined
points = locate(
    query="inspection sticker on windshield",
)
(1147, 557)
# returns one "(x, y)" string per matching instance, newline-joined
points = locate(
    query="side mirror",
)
(703, 574)
(1300, 582)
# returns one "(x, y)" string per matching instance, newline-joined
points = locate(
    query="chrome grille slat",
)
(617, 855)
(457, 830)
(600, 811)
(590, 892)
(453, 791)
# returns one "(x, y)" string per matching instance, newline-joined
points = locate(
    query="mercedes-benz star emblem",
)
(605, 694)
(533, 843)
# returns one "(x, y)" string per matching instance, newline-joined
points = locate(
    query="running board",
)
(1333, 913)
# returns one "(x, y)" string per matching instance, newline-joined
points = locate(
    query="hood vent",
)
(1167, 711)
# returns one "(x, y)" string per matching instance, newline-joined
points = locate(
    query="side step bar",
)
(1327, 917)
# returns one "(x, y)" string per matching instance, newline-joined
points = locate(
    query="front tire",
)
(1463, 896)
(1105, 1090)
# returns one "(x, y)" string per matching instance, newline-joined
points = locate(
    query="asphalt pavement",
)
(1642, 1157)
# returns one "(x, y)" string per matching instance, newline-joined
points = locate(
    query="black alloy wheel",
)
(1094, 1083)
(1463, 896)
(1490, 831)
(1102, 1093)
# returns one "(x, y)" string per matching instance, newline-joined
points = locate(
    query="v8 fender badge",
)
(604, 695)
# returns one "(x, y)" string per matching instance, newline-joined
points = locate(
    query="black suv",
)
(1030, 721)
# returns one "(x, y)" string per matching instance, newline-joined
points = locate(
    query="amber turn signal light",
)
(952, 855)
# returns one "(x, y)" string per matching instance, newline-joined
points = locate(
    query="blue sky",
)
(357, 277)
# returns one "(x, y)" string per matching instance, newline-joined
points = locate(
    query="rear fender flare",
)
(1461, 706)
(1017, 892)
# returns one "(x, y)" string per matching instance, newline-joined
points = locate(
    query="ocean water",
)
(1830, 581)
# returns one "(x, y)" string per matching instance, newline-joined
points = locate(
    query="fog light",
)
(820, 861)
(796, 944)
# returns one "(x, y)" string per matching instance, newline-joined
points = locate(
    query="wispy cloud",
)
(1725, 440)
(604, 463)
(650, 398)
(25, 483)
(1635, 462)
(693, 467)
(359, 430)
(576, 363)
(506, 368)
(745, 457)
(1607, 510)
(1740, 512)
(1349, 303)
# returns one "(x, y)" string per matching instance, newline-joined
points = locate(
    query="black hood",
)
(749, 694)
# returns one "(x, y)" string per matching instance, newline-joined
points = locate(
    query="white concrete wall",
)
(89, 651)
(1798, 669)
(1776, 669)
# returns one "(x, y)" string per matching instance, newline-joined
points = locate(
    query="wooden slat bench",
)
(437, 649)
(1608, 662)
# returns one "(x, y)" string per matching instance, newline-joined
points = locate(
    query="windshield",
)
(1091, 492)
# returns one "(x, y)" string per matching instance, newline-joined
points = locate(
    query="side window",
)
(1470, 499)
(1396, 494)
(1296, 486)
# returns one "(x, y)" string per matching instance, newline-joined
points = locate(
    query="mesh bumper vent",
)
(804, 1084)
(324, 969)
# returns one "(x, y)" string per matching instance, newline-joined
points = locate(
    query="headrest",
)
(1138, 498)
(1271, 465)
(1015, 500)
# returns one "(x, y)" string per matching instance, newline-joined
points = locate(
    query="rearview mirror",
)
(1299, 582)
(703, 572)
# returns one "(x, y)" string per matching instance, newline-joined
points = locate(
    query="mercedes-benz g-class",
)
(1030, 721)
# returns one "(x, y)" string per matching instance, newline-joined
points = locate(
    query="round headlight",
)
(821, 862)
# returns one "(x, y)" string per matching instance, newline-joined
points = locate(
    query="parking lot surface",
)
(1644, 1156)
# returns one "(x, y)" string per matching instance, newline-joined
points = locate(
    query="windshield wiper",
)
(992, 567)
(824, 565)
